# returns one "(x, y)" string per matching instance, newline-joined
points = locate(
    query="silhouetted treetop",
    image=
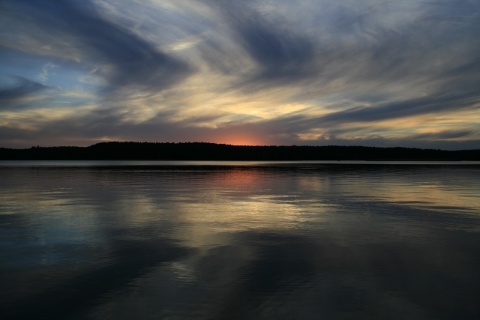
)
(213, 151)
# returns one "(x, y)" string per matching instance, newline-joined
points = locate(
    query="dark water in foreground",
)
(239, 241)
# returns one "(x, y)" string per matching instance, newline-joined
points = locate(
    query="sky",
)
(256, 72)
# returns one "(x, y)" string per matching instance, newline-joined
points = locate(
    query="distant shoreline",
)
(223, 152)
(199, 151)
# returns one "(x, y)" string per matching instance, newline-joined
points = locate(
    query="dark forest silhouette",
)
(212, 151)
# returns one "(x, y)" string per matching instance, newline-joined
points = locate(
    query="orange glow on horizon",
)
(242, 141)
(245, 142)
(238, 139)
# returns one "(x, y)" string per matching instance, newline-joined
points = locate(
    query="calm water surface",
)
(151, 240)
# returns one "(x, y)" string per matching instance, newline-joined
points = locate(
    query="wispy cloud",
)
(313, 71)
(43, 76)
(17, 91)
(127, 60)
(280, 55)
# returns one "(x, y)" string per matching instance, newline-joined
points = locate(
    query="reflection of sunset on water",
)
(234, 236)
(240, 178)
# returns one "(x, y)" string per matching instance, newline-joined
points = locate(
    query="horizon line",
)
(232, 145)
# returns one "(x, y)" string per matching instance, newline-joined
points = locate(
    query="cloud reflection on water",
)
(241, 242)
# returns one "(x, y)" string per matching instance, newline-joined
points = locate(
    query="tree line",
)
(212, 151)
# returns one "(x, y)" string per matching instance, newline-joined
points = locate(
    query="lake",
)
(239, 240)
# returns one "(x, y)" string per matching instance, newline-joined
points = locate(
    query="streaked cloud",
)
(18, 92)
(374, 72)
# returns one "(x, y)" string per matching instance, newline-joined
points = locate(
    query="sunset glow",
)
(321, 72)
(241, 140)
